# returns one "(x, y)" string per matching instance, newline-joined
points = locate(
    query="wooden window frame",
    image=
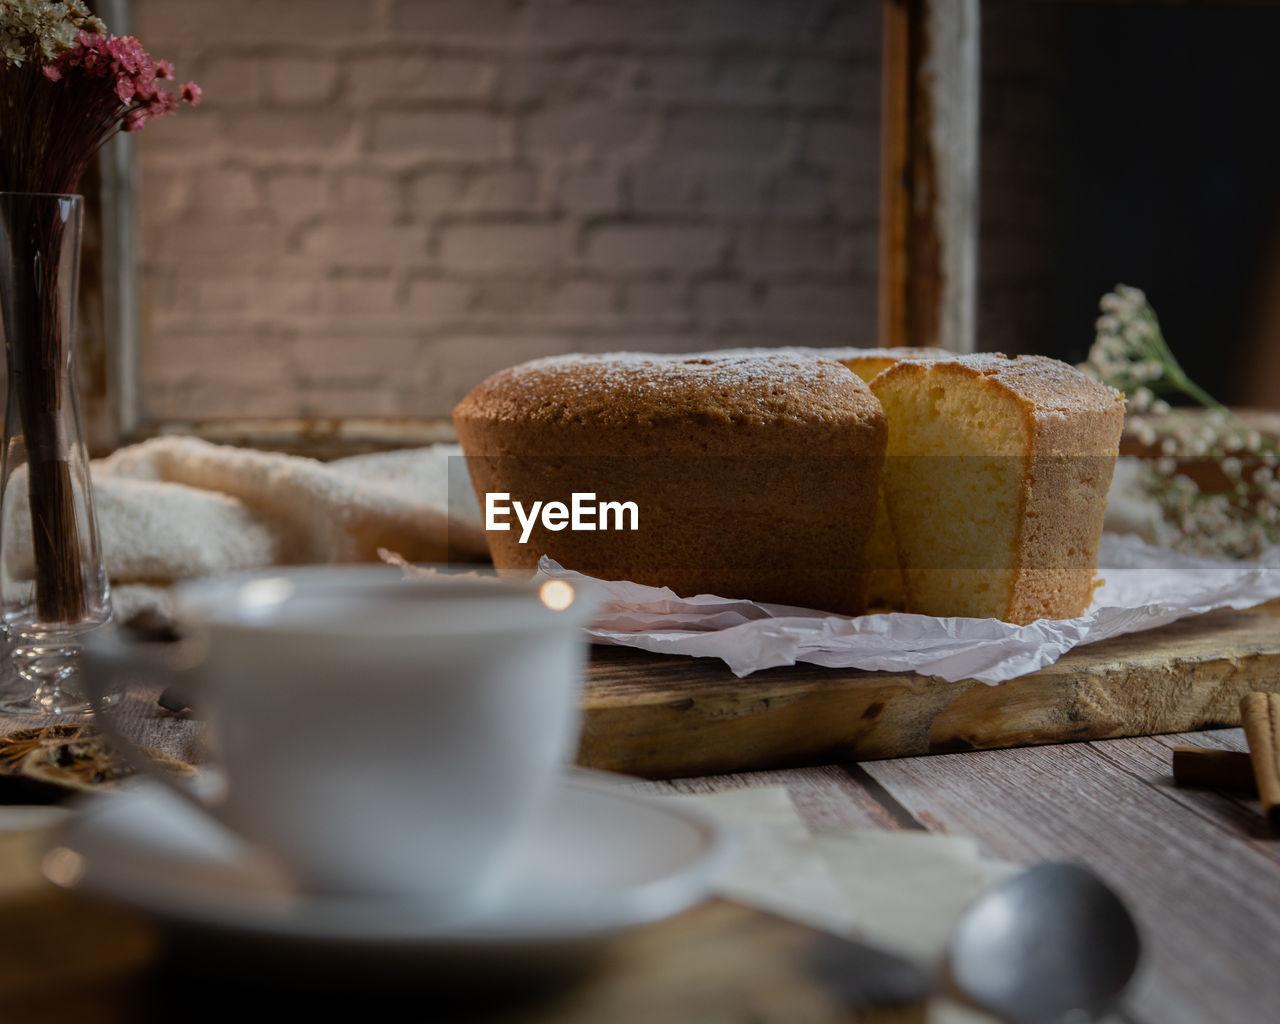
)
(930, 62)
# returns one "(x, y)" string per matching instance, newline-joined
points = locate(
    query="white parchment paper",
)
(1144, 587)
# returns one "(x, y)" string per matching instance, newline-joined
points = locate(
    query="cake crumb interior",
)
(953, 485)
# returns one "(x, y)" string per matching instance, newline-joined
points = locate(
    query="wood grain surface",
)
(1201, 878)
(660, 716)
(1198, 867)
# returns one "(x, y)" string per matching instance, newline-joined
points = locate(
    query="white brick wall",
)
(382, 201)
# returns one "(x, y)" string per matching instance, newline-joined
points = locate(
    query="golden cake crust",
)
(1049, 385)
(671, 405)
(865, 362)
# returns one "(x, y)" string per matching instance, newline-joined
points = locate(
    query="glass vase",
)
(53, 585)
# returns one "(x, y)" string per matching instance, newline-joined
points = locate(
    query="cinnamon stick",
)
(1260, 716)
(1222, 769)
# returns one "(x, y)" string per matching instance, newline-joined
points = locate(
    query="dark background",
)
(1158, 149)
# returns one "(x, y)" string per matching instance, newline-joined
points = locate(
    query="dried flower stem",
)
(40, 374)
(66, 87)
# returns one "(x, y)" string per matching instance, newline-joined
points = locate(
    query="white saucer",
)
(600, 860)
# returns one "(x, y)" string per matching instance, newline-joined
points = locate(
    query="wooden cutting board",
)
(661, 716)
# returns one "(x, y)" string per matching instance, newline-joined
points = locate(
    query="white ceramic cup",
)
(382, 736)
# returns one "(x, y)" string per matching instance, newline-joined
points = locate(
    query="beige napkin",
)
(900, 891)
(174, 508)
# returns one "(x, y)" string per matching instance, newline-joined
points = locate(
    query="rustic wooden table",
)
(1200, 869)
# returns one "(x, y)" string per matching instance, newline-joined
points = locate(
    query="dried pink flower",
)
(100, 85)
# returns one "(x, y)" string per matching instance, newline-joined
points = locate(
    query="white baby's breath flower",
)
(1130, 353)
(42, 28)
(1138, 331)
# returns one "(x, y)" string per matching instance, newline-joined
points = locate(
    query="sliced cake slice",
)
(884, 578)
(996, 483)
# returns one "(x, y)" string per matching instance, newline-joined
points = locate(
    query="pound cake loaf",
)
(753, 476)
(996, 483)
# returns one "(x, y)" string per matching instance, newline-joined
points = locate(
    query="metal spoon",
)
(1053, 945)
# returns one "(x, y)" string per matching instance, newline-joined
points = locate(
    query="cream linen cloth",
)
(904, 892)
(176, 508)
